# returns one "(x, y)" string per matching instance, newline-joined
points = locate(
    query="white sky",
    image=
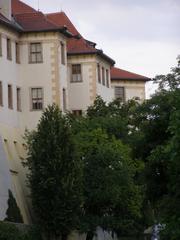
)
(142, 36)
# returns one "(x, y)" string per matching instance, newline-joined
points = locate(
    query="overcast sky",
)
(142, 36)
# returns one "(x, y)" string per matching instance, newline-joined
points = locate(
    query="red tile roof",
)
(61, 19)
(120, 74)
(31, 20)
(34, 21)
(76, 46)
(19, 7)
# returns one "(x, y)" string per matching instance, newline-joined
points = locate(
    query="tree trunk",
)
(90, 235)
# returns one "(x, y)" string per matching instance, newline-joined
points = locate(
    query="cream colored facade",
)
(133, 89)
(54, 77)
(50, 75)
(82, 94)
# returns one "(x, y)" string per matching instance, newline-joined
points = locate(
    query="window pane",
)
(119, 93)
(33, 47)
(33, 57)
(39, 93)
(37, 98)
(76, 73)
(39, 57)
(38, 47)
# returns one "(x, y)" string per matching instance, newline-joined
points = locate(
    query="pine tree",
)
(13, 212)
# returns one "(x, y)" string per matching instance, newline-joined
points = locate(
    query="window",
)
(18, 95)
(64, 100)
(0, 44)
(119, 93)
(77, 112)
(17, 53)
(9, 54)
(76, 73)
(36, 98)
(99, 73)
(103, 76)
(35, 53)
(107, 78)
(10, 97)
(62, 53)
(1, 94)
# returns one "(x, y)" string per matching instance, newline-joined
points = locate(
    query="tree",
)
(13, 212)
(155, 136)
(55, 174)
(112, 199)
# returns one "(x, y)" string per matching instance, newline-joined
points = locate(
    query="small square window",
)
(77, 112)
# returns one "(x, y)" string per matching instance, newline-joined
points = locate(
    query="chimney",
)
(5, 8)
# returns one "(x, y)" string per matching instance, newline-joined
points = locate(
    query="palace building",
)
(45, 60)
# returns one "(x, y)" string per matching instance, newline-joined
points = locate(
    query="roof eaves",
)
(61, 30)
(107, 58)
(131, 79)
(11, 25)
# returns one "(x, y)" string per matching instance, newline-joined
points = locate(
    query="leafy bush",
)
(9, 231)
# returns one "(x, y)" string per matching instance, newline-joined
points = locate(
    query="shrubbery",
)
(9, 231)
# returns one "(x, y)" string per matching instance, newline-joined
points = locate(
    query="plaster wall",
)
(133, 88)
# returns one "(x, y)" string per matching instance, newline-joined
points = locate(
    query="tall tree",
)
(112, 199)
(55, 174)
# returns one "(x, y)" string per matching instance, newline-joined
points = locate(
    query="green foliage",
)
(156, 140)
(55, 176)
(112, 199)
(9, 231)
(13, 212)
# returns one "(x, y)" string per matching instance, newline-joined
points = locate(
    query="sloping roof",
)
(79, 45)
(61, 19)
(120, 74)
(34, 21)
(31, 20)
(19, 7)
